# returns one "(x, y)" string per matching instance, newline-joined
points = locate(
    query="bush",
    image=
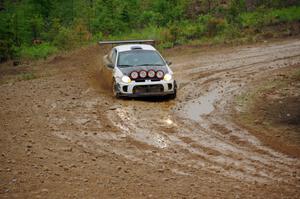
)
(37, 51)
(231, 31)
(98, 37)
(268, 17)
(214, 26)
(151, 32)
(164, 45)
(192, 30)
(82, 35)
(211, 26)
(65, 39)
(149, 18)
(7, 50)
(287, 14)
(167, 37)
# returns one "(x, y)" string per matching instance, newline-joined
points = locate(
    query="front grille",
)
(148, 89)
(125, 88)
(154, 79)
(139, 80)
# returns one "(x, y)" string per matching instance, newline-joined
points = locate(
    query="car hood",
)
(128, 70)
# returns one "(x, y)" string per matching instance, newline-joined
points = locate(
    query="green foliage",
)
(6, 41)
(236, 7)
(36, 25)
(71, 23)
(262, 18)
(98, 37)
(7, 50)
(37, 51)
(192, 31)
(65, 39)
(214, 26)
(150, 18)
(26, 76)
(54, 29)
(231, 31)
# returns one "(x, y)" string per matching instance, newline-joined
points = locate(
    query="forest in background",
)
(38, 28)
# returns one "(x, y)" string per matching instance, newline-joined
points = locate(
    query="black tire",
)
(173, 96)
(115, 90)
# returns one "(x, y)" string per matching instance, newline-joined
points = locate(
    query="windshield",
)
(140, 58)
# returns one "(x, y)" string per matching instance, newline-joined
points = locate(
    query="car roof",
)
(129, 47)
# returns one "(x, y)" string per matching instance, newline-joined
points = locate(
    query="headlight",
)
(126, 79)
(167, 77)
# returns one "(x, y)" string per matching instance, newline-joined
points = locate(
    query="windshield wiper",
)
(151, 65)
(124, 65)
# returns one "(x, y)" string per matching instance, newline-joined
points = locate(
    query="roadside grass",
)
(18, 76)
(41, 51)
(26, 76)
(262, 18)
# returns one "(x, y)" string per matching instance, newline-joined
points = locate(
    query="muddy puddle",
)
(201, 106)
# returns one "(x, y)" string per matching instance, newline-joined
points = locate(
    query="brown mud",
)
(64, 136)
(271, 110)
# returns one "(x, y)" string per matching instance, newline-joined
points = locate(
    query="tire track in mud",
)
(194, 131)
(237, 154)
(262, 158)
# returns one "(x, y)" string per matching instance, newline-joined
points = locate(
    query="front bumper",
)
(146, 88)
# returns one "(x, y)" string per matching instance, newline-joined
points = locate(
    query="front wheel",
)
(173, 96)
(115, 89)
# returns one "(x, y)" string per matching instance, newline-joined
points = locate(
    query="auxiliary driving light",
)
(151, 73)
(159, 74)
(134, 75)
(143, 74)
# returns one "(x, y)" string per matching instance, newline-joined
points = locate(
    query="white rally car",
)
(138, 70)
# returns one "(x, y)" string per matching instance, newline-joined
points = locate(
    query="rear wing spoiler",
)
(127, 42)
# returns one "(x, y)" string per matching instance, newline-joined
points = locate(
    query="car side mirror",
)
(169, 63)
(110, 65)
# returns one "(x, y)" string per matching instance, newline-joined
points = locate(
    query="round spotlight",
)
(143, 74)
(134, 75)
(160, 74)
(151, 73)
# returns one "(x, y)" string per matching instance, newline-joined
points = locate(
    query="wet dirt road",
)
(63, 135)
